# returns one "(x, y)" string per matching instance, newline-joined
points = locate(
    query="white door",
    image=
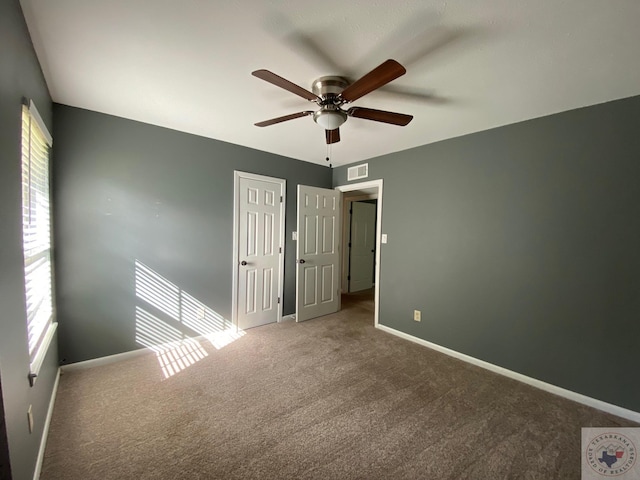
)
(318, 254)
(258, 257)
(362, 246)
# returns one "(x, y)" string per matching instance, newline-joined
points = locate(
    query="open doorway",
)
(360, 246)
(360, 285)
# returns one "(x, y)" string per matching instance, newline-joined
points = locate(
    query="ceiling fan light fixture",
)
(330, 119)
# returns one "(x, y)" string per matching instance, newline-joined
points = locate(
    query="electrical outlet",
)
(417, 315)
(30, 418)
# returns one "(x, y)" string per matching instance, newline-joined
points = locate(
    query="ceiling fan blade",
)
(380, 116)
(278, 81)
(379, 76)
(273, 121)
(333, 136)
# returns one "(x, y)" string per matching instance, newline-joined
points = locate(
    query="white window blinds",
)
(36, 229)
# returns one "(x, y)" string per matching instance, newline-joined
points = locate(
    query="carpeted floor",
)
(331, 398)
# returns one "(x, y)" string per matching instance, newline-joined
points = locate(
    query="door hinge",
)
(278, 299)
(349, 277)
(280, 198)
(280, 250)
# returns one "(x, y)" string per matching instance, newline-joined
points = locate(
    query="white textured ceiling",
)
(471, 65)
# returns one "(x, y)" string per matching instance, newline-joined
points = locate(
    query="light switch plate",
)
(294, 235)
(383, 239)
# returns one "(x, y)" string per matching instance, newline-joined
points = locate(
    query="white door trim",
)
(236, 228)
(361, 186)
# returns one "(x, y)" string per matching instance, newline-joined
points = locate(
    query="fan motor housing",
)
(329, 86)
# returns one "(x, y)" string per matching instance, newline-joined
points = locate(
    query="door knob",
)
(243, 263)
(301, 260)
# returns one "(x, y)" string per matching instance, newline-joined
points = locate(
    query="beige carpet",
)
(331, 398)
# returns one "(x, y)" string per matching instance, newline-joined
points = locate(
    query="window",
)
(36, 236)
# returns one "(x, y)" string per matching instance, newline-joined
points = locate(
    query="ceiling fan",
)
(331, 93)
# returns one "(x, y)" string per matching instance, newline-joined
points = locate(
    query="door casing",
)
(371, 187)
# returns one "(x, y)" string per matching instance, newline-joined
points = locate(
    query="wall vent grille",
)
(358, 172)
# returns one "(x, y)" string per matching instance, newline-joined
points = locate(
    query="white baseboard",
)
(576, 397)
(96, 362)
(45, 430)
(118, 357)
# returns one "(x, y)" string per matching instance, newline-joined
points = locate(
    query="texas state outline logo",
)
(610, 452)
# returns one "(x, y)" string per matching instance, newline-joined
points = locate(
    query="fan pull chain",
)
(328, 154)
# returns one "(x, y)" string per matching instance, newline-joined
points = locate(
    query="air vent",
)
(358, 172)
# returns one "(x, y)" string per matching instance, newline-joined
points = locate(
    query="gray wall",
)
(127, 191)
(20, 76)
(521, 247)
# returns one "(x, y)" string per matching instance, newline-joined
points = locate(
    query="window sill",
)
(38, 360)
